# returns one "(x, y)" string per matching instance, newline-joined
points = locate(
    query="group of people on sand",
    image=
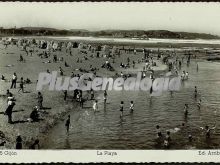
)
(11, 102)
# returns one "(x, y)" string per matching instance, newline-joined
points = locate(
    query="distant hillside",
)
(41, 31)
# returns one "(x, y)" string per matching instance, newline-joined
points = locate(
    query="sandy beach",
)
(55, 108)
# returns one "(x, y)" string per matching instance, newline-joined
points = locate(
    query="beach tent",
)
(69, 45)
(106, 49)
(49, 45)
(55, 46)
(115, 50)
(43, 44)
(81, 46)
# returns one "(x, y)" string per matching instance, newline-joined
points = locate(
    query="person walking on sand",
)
(18, 142)
(9, 110)
(95, 106)
(21, 85)
(14, 80)
(40, 100)
(67, 124)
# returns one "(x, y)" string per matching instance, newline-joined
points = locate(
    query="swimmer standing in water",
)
(95, 106)
(195, 92)
(105, 97)
(159, 134)
(121, 108)
(167, 140)
(67, 124)
(131, 107)
(186, 109)
(199, 104)
(208, 130)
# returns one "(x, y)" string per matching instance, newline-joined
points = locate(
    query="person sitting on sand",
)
(8, 93)
(27, 81)
(34, 116)
(21, 59)
(65, 64)
(3, 78)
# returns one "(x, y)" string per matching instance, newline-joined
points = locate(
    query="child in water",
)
(131, 106)
(195, 92)
(186, 109)
(199, 104)
(95, 106)
(159, 134)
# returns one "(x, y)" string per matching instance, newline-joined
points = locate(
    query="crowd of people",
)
(146, 58)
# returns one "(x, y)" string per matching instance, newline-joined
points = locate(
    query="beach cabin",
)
(55, 46)
(69, 45)
(115, 50)
(106, 50)
(81, 46)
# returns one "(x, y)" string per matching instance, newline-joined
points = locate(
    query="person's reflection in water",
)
(67, 144)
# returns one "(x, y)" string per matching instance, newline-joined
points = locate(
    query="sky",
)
(189, 17)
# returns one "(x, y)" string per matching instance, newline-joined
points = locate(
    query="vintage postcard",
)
(109, 82)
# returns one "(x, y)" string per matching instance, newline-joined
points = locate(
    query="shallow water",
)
(105, 129)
